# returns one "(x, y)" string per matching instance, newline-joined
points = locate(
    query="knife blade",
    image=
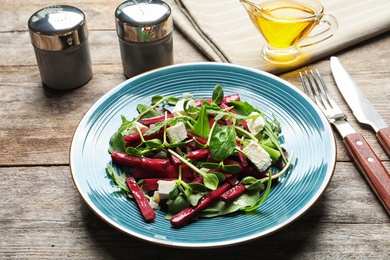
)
(361, 107)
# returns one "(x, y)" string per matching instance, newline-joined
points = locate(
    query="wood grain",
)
(42, 215)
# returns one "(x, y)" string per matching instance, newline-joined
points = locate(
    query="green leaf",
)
(187, 95)
(178, 204)
(118, 178)
(117, 142)
(274, 154)
(221, 208)
(211, 181)
(172, 100)
(141, 108)
(221, 177)
(231, 168)
(157, 99)
(217, 94)
(154, 143)
(243, 108)
(184, 188)
(274, 138)
(155, 128)
(179, 144)
(173, 194)
(251, 183)
(262, 198)
(222, 142)
(193, 199)
(133, 151)
(125, 124)
(210, 165)
(202, 126)
(197, 187)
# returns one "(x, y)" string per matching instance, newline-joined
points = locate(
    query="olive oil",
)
(284, 23)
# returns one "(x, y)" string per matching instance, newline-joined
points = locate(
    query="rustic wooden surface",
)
(42, 215)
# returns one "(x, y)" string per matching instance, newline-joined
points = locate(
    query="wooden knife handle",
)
(383, 136)
(370, 166)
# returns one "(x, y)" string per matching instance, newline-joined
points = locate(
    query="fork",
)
(358, 148)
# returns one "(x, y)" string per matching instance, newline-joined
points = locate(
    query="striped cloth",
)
(223, 30)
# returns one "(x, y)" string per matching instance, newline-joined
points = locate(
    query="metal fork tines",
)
(315, 87)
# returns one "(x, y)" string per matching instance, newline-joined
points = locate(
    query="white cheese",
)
(258, 156)
(164, 187)
(255, 125)
(178, 110)
(155, 200)
(177, 133)
(134, 127)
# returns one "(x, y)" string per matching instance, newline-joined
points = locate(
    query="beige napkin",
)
(223, 30)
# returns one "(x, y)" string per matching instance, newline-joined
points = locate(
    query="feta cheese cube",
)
(164, 187)
(258, 156)
(134, 127)
(155, 200)
(177, 133)
(178, 110)
(255, 125)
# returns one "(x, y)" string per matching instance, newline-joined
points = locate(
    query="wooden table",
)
(42, 214)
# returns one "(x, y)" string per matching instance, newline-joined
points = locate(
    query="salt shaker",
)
(144, 29)
(59, 36)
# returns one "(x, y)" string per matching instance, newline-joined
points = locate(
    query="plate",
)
(304, 130)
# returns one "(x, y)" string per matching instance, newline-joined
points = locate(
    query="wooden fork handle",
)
(370, 166)
(383, 136)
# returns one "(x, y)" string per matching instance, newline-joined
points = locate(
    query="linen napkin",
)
(224, 32)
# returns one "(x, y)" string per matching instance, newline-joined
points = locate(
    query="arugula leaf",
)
(154, 143)
(189, 108)
(243, 108)
(117, 142)
(222, 142)
(231, 168)
(262, 198)
(274, 154)
(133, 151)
(210, 165)
(221, 208)
(157, 99)
(177, 204)
(210, 180)
(197, 187)
(117, 178)
(187, 95)
(194, 198)
(217, 94)
(172, 100)
(202, 126)
(274, 138)
(125, 124)
(141, 108)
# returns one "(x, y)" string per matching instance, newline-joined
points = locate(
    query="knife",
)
(362, 109)
(378, 179)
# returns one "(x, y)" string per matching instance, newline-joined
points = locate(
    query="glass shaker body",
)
(145, 32)
(60, 39)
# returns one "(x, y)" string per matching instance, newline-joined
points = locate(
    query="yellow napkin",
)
(223, 30)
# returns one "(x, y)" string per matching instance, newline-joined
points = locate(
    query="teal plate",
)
(304, 130)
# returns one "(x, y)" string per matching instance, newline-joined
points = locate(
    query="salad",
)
(197, 158)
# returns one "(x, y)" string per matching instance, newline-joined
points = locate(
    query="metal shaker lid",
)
(58, 27)
(143, 20)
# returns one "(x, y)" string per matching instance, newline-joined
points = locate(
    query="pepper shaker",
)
(59, 36)
(144, 29)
